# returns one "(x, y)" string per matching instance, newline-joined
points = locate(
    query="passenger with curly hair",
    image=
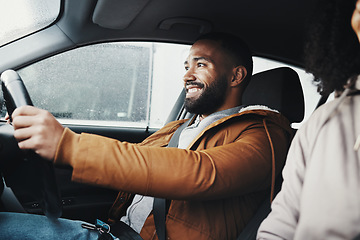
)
(320, 195)
(332, 50)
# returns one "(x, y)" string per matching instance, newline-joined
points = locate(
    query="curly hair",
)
(332, 50)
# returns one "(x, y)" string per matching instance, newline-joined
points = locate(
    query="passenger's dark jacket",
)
(216, 184)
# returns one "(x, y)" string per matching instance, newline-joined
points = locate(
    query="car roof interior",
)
(273, 29)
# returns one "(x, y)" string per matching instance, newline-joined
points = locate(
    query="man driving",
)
(214, 180)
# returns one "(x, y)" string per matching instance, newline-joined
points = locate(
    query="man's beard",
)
(210, 99)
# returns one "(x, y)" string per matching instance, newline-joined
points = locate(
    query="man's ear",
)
(239, 74)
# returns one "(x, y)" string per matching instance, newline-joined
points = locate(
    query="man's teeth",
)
(191, 90)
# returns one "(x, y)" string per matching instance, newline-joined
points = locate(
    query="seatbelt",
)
(251, 228)
(159, 205)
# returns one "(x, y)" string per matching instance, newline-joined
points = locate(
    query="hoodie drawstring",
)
(272, 162)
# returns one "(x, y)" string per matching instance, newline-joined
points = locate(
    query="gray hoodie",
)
(320, 196)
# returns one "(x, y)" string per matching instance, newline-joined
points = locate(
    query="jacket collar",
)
(257, 107)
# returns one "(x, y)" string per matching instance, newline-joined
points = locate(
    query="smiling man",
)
(214, 80)
(214, 179)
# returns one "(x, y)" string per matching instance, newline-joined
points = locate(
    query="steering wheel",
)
(35, 173)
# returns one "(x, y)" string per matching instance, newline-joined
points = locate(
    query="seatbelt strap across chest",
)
(159, 205)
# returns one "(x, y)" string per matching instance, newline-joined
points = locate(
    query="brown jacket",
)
(215, 185)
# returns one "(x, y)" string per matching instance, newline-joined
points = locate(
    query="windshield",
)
(19, 18)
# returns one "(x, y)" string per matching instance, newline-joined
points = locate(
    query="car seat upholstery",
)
(279, 89)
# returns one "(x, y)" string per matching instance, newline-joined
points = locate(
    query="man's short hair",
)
(236, 48)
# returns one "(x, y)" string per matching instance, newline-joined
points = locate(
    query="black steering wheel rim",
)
(37, 174)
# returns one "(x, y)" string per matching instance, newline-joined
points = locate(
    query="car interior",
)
(103, 32)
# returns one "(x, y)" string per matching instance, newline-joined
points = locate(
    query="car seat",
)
(279, 89)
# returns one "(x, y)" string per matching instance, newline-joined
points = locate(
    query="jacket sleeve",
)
(283, 218)
(232, 169)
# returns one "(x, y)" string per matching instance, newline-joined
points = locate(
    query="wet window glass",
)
(126, 84)
(21, 17)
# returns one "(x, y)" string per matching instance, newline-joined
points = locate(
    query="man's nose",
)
(189, 75)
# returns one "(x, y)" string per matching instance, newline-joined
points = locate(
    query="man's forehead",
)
(204, 50)
(206, 46)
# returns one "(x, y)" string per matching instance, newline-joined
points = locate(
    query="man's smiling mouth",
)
(192, 88)
(195, 89)
(192, 91)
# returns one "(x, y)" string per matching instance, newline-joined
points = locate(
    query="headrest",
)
(279, 89)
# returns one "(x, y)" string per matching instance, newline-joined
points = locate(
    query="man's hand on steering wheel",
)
(38, 130)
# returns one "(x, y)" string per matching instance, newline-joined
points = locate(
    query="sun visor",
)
(202, 26)
(117, 14)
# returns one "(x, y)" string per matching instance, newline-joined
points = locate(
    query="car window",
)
(114, 84)
(21, 17)
(131, 84)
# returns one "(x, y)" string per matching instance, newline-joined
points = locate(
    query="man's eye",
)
(201, 65)
(186, 68)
